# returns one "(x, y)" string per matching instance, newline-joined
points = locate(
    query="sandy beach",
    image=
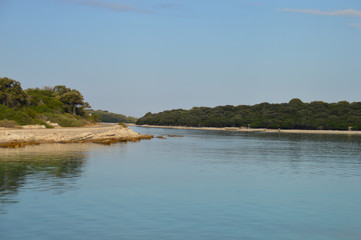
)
(104, 133)
(235, 129)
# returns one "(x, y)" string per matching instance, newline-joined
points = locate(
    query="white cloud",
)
(347, 12)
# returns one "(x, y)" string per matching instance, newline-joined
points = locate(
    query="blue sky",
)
(140, 56)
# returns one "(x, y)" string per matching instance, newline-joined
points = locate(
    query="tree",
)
(295, 102)
(11, 93)
(44, 98)
(60, 90)
(72, 99)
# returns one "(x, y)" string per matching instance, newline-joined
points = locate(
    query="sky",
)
(138, 56)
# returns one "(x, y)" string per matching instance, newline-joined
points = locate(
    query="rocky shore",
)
(105, 134)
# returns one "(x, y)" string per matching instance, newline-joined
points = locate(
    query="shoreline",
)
(103, 134)
(235, 129)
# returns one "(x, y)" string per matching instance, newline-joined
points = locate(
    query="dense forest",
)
(58, 104)
(292, 115)
(110, 117)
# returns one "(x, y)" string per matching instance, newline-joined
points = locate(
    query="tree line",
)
(109, 117)
(292, 115)
(58, 104)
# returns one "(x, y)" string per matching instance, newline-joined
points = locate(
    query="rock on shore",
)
(102, 134)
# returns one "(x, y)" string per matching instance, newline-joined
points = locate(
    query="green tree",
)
(60, 90)
(11, 93)
(73, 100)
(43, 100)
(295, 102)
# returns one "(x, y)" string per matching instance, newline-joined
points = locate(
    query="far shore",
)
(243, 129)
(103, 133)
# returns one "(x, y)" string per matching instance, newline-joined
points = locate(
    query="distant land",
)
(109, 117)
(295, 114)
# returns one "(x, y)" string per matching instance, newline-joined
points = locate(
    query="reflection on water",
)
(264, 143)
(49, 167)
(282, 153)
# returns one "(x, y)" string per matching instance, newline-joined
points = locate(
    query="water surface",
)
(205, 185)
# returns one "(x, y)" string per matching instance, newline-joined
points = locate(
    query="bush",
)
(8, 123)
(93, 118)
(20, 117)
(66, 120)
(123, 124)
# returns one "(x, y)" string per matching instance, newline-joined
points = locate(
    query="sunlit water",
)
(205, 185)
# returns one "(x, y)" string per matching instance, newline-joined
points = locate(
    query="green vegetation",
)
(58, 104)
(123, 124)
(110, 117)
(8, 124)
(292, 115)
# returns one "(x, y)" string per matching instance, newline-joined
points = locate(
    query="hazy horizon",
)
(134, 57)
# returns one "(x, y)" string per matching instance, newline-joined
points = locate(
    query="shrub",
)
(123, 124)
(66, 120)
(8, 123)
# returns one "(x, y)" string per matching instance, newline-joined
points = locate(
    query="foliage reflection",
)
(53, 167)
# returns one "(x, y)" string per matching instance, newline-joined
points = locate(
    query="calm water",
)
(206, 185)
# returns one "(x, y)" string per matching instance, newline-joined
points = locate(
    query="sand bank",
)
(106, 134)
(235, 129)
